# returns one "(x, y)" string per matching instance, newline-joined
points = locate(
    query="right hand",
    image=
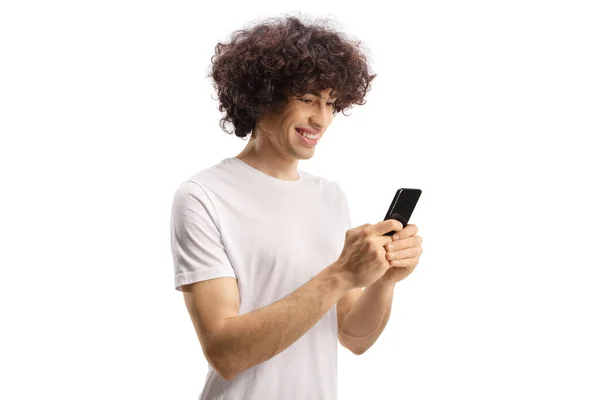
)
(363, 259)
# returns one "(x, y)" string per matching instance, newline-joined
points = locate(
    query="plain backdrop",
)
(491, 108)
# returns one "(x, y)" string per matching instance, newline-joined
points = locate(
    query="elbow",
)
(226, 375)
(222, 369)
(221, 363)
(356, 350)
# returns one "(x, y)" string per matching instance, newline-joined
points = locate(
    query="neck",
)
(261, 155)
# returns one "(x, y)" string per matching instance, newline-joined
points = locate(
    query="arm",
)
(366, 317)
(236, 343)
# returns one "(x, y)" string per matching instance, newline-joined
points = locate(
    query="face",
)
(310, 114)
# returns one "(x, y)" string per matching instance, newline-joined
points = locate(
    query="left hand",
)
(404, 256)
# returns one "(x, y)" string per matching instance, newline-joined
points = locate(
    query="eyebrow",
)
(321, 97)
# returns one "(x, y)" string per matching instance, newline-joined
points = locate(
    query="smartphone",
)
(402, 206)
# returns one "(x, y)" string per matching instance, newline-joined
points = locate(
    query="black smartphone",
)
(402, 206)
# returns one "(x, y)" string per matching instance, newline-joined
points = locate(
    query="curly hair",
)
(262, 66)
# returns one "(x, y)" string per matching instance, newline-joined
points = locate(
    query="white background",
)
(491, 108)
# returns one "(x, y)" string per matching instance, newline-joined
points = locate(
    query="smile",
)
(307, 138)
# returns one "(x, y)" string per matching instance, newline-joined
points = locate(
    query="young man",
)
(271, 271)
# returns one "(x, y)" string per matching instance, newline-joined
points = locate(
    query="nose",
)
(321, 117)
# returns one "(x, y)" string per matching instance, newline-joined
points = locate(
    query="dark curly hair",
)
(262, 66)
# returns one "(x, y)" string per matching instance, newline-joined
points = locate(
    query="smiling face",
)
(311, 114)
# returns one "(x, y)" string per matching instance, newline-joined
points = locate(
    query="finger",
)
(411, 241)
(409, 230)
(404, 254)
(383, 227)
(405, 263)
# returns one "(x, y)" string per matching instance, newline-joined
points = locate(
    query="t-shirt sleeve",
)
(196, 245)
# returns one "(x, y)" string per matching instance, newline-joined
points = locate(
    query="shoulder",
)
(201, 181)
(194, 189)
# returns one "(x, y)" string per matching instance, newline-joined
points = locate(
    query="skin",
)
(275, 150)
(275, 147)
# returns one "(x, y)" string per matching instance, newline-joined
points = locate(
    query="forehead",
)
(324, 94)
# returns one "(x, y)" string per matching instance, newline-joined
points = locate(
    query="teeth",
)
(308, 135)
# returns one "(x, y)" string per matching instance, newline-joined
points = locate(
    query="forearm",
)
(259, 335)
(368, 316)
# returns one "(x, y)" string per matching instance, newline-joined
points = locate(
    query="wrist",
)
(342, 276)
(385, 282)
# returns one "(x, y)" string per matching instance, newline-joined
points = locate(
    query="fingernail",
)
(396, 237)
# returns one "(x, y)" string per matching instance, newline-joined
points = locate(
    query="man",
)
(271, 272)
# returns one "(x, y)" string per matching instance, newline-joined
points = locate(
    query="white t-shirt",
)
(272, 235)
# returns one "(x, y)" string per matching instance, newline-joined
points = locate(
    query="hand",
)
(404, 256)
(363, 258)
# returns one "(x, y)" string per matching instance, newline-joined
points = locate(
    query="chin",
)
(304, 155)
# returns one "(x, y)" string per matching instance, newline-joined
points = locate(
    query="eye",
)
(306, 101)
